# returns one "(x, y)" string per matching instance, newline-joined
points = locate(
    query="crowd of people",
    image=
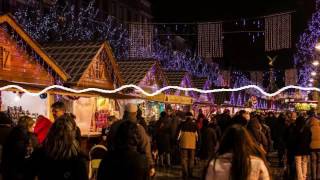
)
(225, 146)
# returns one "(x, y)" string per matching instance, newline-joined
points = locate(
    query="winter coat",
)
(16, 154)
(224, 121)
(208, 143)
(257, 134)
(302, 141)
(144, 144)
(123, 164)
(188, 135)
(42, 127)
(267, 132)
(163, 135)
(315, 131)
(46, 168)
(220, 168)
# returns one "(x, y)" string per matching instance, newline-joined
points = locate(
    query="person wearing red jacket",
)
(42, 127)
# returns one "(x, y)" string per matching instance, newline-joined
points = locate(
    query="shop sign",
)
(159, 97)
(173, 99)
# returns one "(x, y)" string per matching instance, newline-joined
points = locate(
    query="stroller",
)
(96, 154)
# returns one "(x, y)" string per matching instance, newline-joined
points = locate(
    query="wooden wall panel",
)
(20, 66)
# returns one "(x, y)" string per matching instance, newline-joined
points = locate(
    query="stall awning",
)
(170, 99)
(36, 88)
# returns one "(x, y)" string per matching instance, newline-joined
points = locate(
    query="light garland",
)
(160, 90)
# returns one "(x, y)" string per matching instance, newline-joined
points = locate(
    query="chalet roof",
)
(73, 57)
(199, 82)
(174, 77)
(7, 18)
(133, 71)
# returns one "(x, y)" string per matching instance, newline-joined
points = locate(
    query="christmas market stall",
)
(203, 101)
(147, 74)
(24, 63)
(89, 64)
(183, 99)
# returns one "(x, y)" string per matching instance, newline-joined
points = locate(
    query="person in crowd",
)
(141, 120)
(42, 127)
(238, 158)
(208, 141)
(5, 129)
(144, 145)
(314, 124)
(59, 109)
(266, 131)
(271, 122)
(290, 139)
(124, 162)
(301, 148)
(279, 141)
(255, 129)
(17, 150)
(179, 118)
(224, 120)
(60, 156)
(163, 139)
(200, 119)
(242, 118)
(187, 138)
(214, 125)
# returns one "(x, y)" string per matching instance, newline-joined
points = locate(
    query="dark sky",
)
(206, 10)
(238, 53)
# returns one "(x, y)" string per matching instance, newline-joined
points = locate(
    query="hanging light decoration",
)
(278, 32)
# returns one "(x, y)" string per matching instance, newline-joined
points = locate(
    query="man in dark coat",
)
(208, 141)
(144, 144)
(163, 138)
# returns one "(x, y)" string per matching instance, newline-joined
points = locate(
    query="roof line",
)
(36, 47)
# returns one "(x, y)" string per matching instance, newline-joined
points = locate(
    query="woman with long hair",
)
(124, 161)
(238, 158)
(17, 150)
(60, 157)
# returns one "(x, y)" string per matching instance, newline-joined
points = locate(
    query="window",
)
(121, 13)
(113, 9)
(129, 15)
(97, 70)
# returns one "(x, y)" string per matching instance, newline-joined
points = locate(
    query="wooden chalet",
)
(89, 64)
(24, 63)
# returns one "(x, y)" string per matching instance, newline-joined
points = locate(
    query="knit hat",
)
(131, 108)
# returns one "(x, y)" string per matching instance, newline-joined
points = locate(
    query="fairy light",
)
(139, 89)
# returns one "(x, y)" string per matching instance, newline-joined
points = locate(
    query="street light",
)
(317, 46)
(313, 73)
(315, 63)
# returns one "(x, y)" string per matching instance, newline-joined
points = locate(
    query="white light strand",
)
(160, 90)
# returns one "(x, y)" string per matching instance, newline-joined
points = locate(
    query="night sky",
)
(239, 53)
